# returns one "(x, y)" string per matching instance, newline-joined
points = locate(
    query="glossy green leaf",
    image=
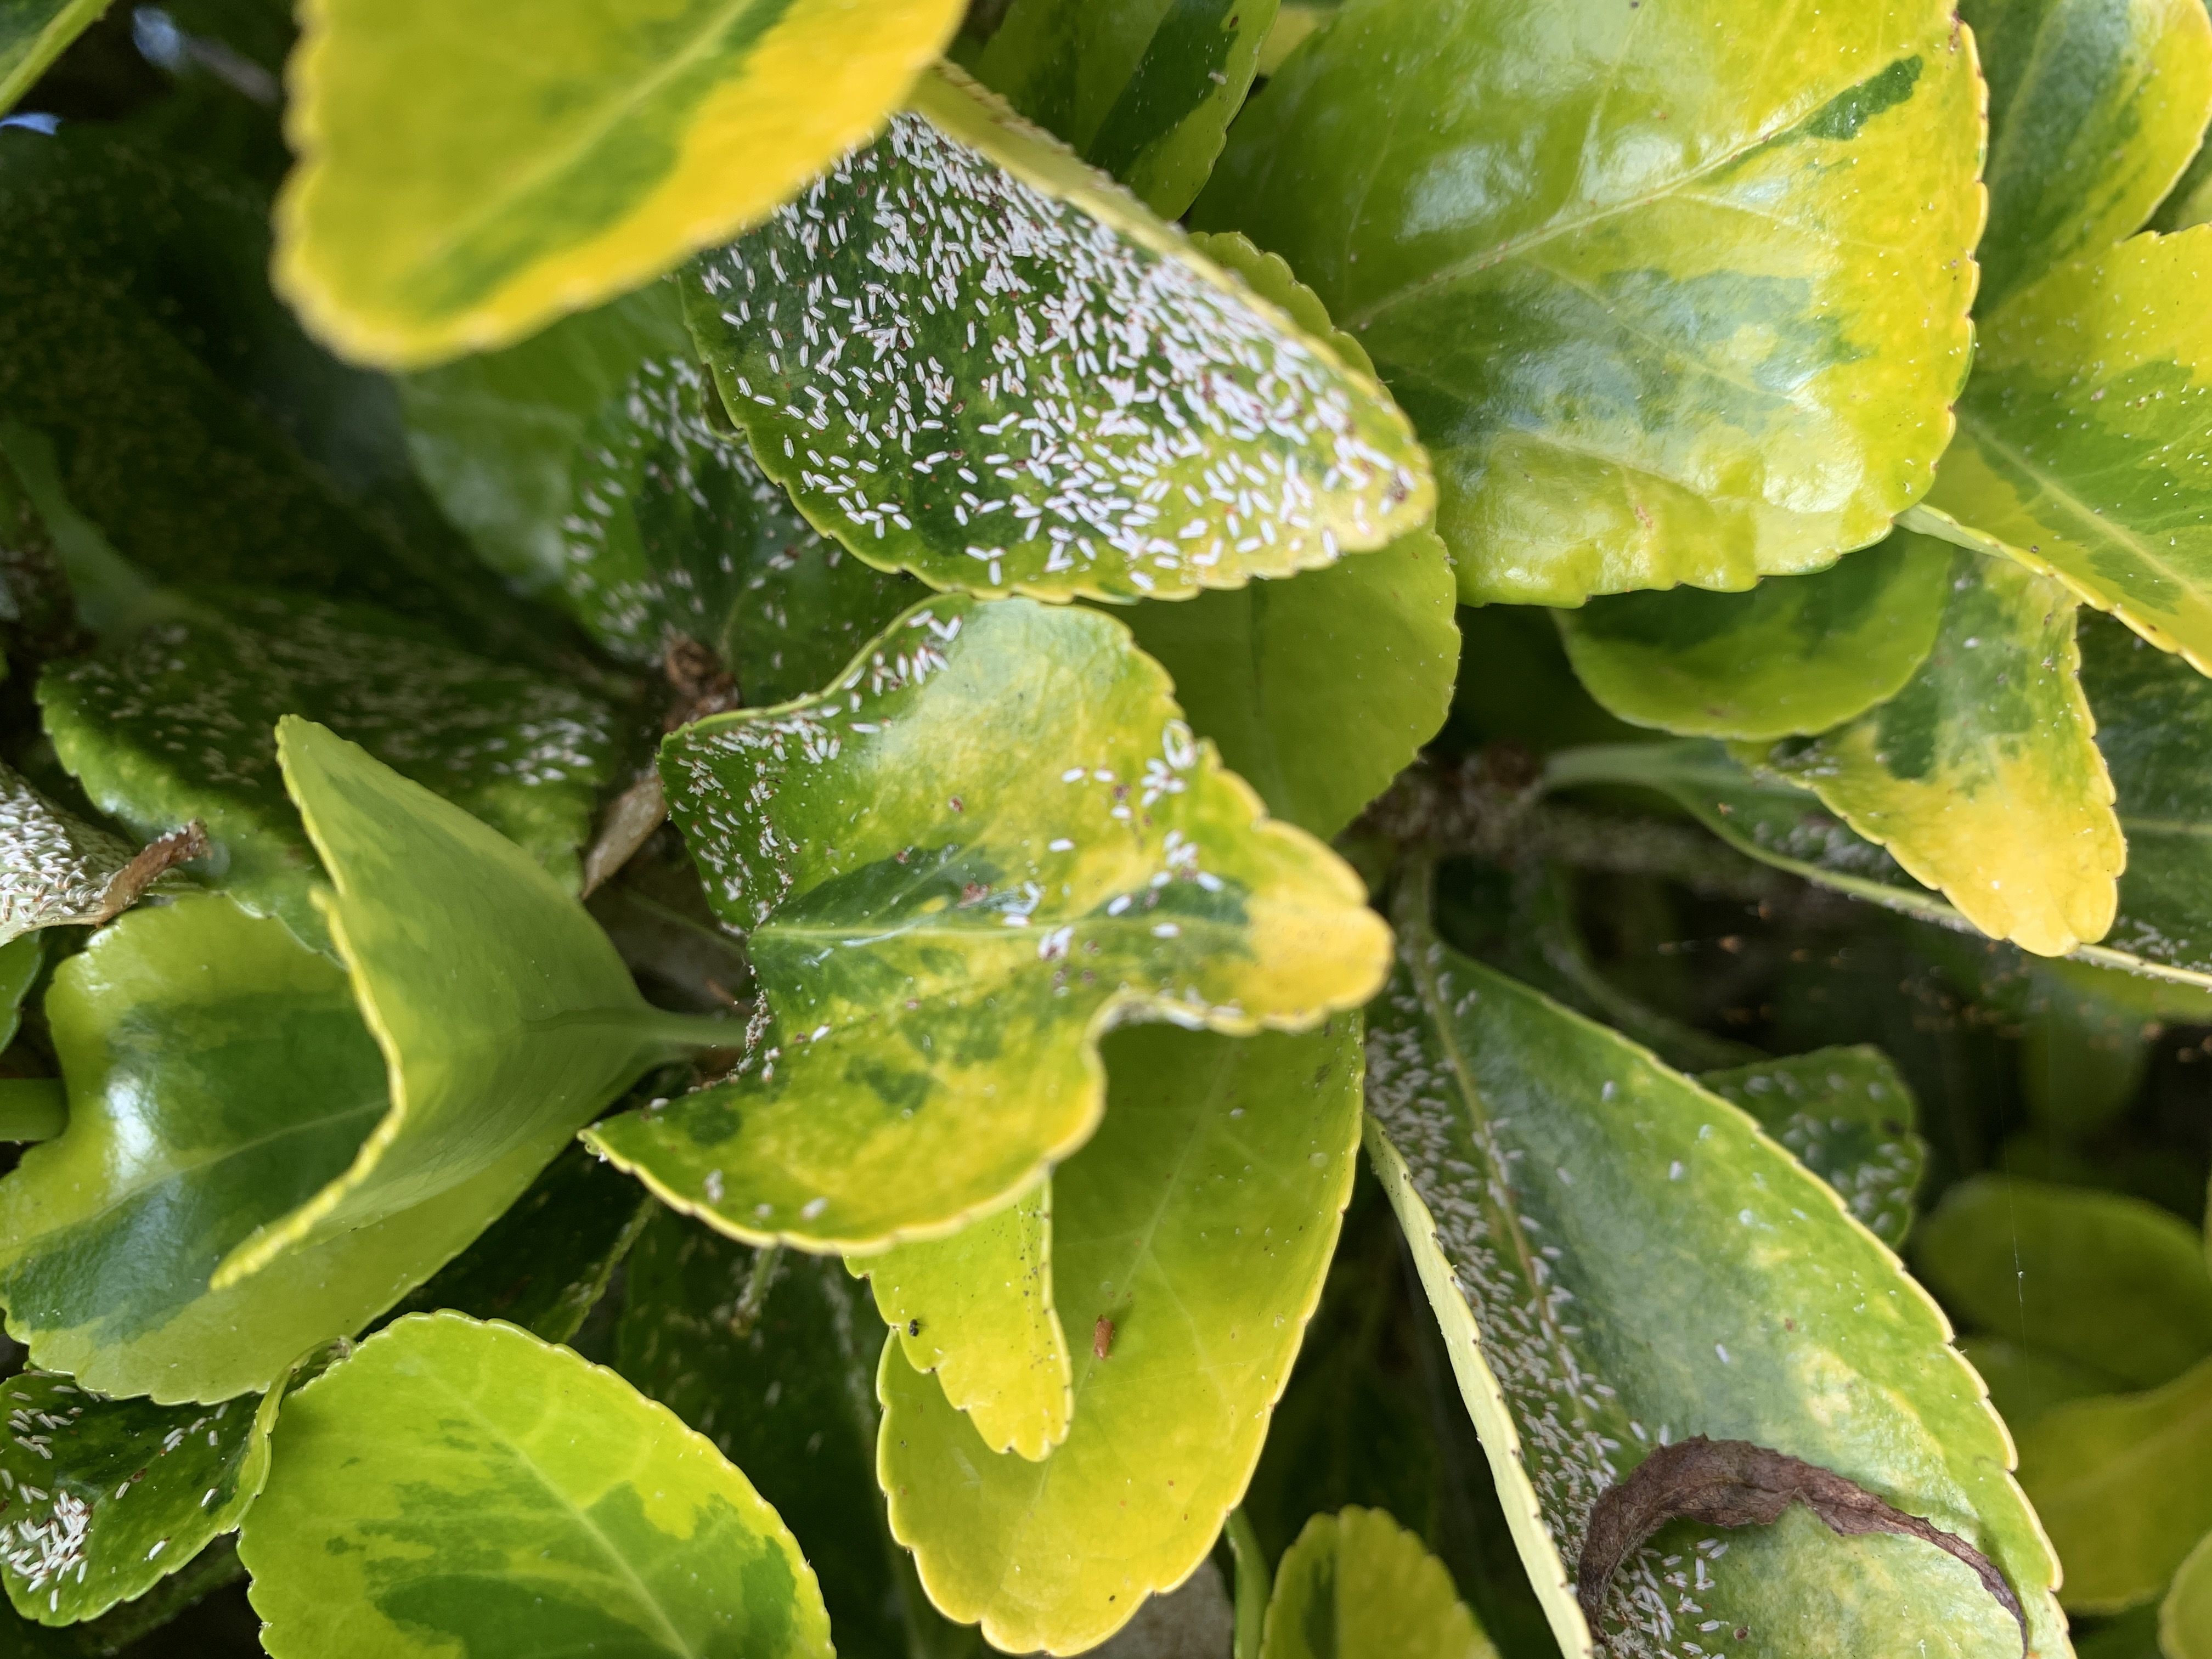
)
(1358, 1582)
(2085, 436)
(989, 842)
(219, 1073)
(1795, 654)
(969, 356)
(1848, 1117)
(506, 1019)
(1317, 691)
(2025, 1383)
(2095, 107)
(452, 197)
(33, 33)
(172, 721)
(460, 1487)
(582, 463)
(2106, 1281)
(544, 1264)
(2124, 1485)
(1143, 88)
(57, 871)
(1189, 1242)
(1631, 273)
(1983, 776)
(785, 1385)
(21, 959)
(106, 1497)
(976, 1309)
(2184, 1621)
(1619, 1260)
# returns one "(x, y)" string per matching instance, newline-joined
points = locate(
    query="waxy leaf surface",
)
(1144, 89)
(219, 1073)
(2095, 107)
(2085, 435)
(1190, 1239)
(582, 464)
(976, 1309)
(452, 196)
(2124, 1485)
(1632, 273)
(1848, 1117)
(989, 842)
(56, 870)
(969, 356)
(107, 1497)
(1797, 654)
(33, 33)
(175, 721)
(2102, 1280)
(459, 1488)
(1619, 1260)
(1358, 1582)
(1983, 776)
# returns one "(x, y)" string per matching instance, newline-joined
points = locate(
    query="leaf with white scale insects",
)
(969, 356)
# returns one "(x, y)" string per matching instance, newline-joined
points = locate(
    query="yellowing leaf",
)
(1357, 1583)
(460, 185)
(990, 841)
(1982, 776)
(2184, 1621)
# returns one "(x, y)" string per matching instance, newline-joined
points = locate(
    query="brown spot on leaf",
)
(155, 859)
(1733, 1483)
(1102, 1338)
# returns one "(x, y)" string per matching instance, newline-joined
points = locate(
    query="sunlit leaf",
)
(785, 1384)
(106, 1497)
(453, 196)
(581, 463)
(1190, 1239)
(506, 1019)
(56, 870)
(2124, 1485)
(33, 33)
(2094, 109)
(1795, 654)
(1629, 272)
(1848, 1117)
(990, 842)
(2105, 1281)
(976, 1309)
(1619, 1260)
(1143, 88)
(2085, 436)
(1357, 1583)
(967, 355)
(173, 722)
(463, 1487)
(2184, 1621)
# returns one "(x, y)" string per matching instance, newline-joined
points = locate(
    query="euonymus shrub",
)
(875, 828)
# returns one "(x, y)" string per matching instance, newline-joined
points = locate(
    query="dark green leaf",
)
(32, 35)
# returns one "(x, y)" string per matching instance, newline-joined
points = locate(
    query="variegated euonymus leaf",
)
(1190, 1239)
(461, 1487)
(583, 465)
(1848, 1117)
(1319, 689)
(969, 356)
(989, 842)
(772, 1357)
(2124, 1485)
(2184, 1619)
(1358, 1582)
(172, 722)
(505, 1018)
(2085, 436)
(104, 1498)
(1143, 88)
(219, 1073)
(2095, 107)
(1627, 273)
(57, 871)
(976, 1309)
(33, 33)
(1619, 1260)
(452, 196)
(1982, 776)
(2098, 1280)
(1795, 655)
